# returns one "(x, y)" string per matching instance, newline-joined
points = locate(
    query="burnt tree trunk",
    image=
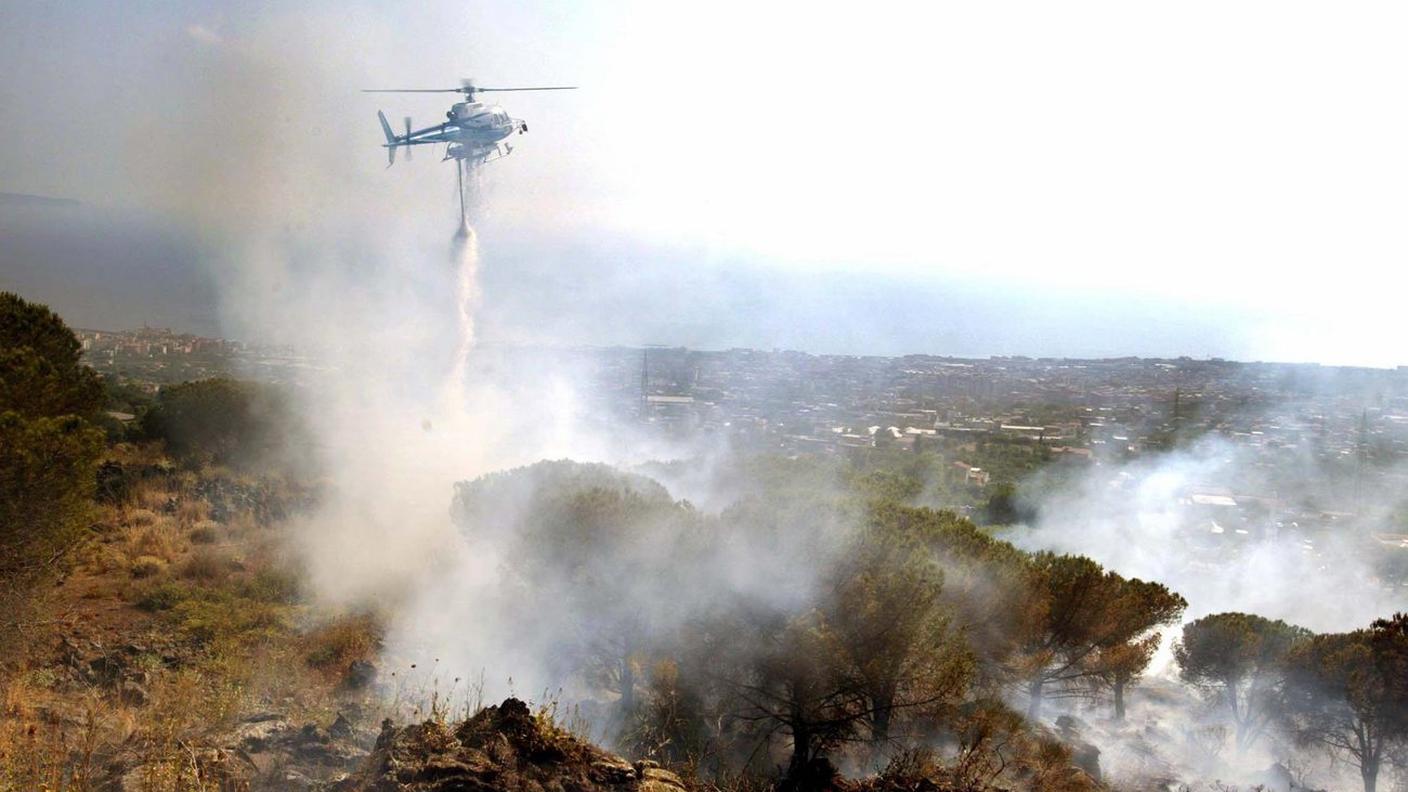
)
(628, 687)
(882, 711)
(1034, 693)
(801, 750)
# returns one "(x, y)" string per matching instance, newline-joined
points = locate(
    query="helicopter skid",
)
(477, 156)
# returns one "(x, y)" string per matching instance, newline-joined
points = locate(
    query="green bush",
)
(272, 586)
(226, 422)
(207, 614)
(48, 448)
(162, 597)
(40, 372)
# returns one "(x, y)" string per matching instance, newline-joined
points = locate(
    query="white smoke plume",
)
(1283, 551)
(1172, 518)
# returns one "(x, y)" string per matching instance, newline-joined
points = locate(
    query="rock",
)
(70, 654)
(360, 674)
(264, 763)
(131, 693)
(1084, 755)
(281, 755)
(256, 736)
(105, 669)
(1087, 757)
(505, 748)
(612, 770)
(341, 728)
(654, 779)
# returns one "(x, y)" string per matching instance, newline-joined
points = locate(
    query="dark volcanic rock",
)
(504, 748)
(360, 675)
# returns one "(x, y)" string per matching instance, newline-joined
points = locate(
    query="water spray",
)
(464, 255)
(460, 167)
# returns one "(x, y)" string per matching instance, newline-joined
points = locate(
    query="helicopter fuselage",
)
(472, 131)
(473, 122)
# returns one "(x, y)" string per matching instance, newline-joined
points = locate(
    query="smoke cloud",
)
(1213, 522)
(1287, 534)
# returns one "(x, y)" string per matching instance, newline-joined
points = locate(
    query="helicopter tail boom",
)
(391, 141)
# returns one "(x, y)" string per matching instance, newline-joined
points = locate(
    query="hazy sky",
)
(1203, 178)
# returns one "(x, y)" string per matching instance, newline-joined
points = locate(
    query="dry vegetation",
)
(169, 628)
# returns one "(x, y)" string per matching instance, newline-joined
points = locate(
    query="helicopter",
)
(474, 132)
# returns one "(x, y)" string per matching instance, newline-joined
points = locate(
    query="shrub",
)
(49, 452)
(224, 421)
(273, 586)
(207, 564)
(141, 517)
(47, 475)
(334, 646)
(116, 483)
(213, 617)
(159, 539)
(106, 558)
(147, 566)
(162, 597)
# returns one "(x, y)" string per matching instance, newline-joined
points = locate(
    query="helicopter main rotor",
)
(468, 89)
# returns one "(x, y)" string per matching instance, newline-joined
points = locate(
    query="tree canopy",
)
(41, 375)
(1239, 660)
(1089, 623)
(48, 448)
(1343, 694)
(226, 421)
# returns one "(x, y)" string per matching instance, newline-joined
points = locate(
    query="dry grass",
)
(138, 518)
(106, 558)
(334, 646)
(42, 748)
(192, 511)
(138, 454)
(208, 565)
(152, 496)
(224, 598)
(161, 539)
(242, 525)
(204, 532)
(185, 706)
(19, 698)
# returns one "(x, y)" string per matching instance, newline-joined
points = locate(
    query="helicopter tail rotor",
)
(409, 149)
